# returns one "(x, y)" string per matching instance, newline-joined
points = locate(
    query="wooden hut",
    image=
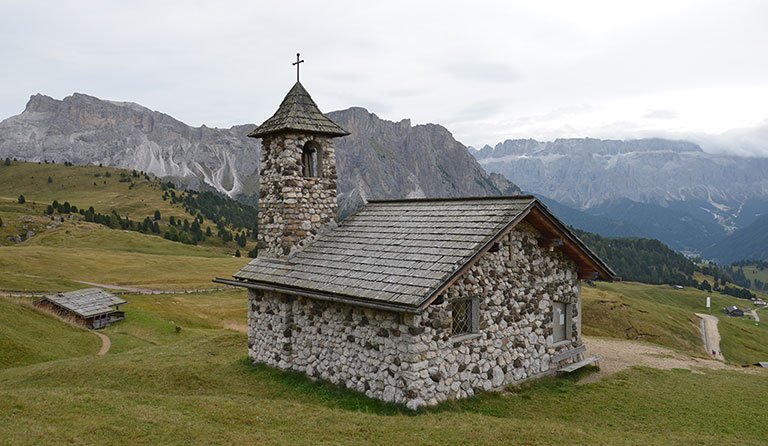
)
(92, 308)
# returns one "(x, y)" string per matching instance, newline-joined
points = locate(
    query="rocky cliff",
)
(379, 160)
(586, 173)
(383, 159)
(86, 130)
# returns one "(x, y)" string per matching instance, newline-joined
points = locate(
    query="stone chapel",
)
(413, 301)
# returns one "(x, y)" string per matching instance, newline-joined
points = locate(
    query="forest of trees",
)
(642, 260)
(231, 218)
(651, 261)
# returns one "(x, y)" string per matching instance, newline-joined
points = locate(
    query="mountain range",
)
(673, 191)
(670, 190)
(380, 159)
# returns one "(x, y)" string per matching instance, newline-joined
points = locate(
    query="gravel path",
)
(131, 289)
(106, 343)
(712, 335)
(617, 355)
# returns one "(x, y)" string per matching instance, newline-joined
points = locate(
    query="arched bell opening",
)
(312, 160)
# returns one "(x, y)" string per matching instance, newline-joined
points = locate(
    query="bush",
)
(253, 253)
(50, 180)
(22, 200)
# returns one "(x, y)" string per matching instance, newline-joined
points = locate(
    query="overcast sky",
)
(487, 71)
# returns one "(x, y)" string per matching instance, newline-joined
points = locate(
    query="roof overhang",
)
(339, 298)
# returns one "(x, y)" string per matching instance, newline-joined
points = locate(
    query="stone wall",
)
(515, 288)
(413, 359)
(293, 208)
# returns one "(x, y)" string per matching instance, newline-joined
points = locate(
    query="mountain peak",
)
(40, 103)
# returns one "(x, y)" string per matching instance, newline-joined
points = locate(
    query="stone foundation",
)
(414, 359)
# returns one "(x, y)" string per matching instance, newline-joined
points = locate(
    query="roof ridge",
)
(477, 198)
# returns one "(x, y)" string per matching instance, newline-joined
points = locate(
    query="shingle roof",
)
(400, 254)
(298, 112)
(396, 252)
(87, 302)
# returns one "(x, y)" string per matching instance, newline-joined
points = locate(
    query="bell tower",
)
(297, 190)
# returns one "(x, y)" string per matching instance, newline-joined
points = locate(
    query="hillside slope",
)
(749, 243)
(136, 198)
(28, 336)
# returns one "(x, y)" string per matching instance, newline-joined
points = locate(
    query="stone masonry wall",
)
(358, 348)
(515, 288)
(413, 359)
(293, 208)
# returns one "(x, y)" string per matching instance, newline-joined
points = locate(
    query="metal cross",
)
(298, 61)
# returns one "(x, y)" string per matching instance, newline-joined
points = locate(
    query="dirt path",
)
(131, 289)
(755, 316)
(617, 355)
(711, 335)
(106, 343)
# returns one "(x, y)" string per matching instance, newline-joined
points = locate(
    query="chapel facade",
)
(412, 301)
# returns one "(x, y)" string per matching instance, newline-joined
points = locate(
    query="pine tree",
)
(21, 199)
(237, 253)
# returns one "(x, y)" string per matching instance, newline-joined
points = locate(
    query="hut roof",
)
(298, 112)
(401, 254)
(86, 303)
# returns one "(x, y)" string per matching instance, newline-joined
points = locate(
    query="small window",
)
(561, 321)
(465, 317)
(312, 160)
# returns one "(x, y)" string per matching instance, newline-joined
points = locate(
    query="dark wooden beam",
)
(587, 274)
(554, 242)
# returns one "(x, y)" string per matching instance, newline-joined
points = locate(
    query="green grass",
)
(28, 336)
(93, 236)
(111, 267)
(159, 386)
(201, 390)
(665, 316)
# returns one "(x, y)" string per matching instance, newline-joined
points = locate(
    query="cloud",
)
(661, 114)
(482, 71)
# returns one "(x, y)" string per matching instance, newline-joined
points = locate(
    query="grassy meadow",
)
(52, 262)
(662, 315)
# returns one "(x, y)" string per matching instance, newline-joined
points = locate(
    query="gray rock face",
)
(584, 173)
(383, 159)
(379, 160)
(86, 130)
